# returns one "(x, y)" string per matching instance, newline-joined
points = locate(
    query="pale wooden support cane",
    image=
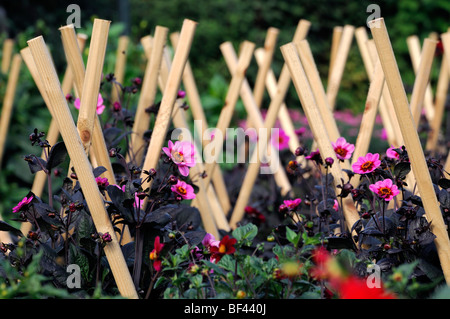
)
(119, 68)
(339, 64)
(206, 201)
(412, 143)
(168, 99)
(439, 105)
(255, 163)
(198, 114)
(86, 178)
(422, 82)
(253, 111)
(8, 102)
(317, 125)
(335, 40)
(318, 90)
(95, 67)
(226, 114)
(272, 87)
(7, 53)
(53, 131)
(368, 119)
(147, 98)
(369, 60)
(445, 37)
(269, 49)
(416, 55)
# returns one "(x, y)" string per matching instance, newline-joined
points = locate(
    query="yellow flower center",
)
(153, 255)
(385, 191)
(367, 165)
(181, 190)
(340, 151)
(178, 156)
(222, 249)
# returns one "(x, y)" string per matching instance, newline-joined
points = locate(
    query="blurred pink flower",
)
(385, 189)
(100, 106)
(391, 153)
(366, 164)
(182, 154)
(343, 149)
(280, 141)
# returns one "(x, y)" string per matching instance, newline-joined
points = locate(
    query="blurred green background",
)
(218, 21)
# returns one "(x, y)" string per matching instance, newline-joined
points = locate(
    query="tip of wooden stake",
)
(69, 26)
(375, 23)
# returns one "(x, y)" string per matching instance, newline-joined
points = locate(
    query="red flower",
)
(225, 248)
(154, 254)
(356, 288)
(255, 214)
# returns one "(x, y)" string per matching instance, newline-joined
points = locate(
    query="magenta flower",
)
(183, 189)
(385, 189)
(315, 156)
(100, 105)
(292, 204)
(23, 204)
(391, 153)
(343, 149)
(137, 200)
(280, 141)
(210, 241)
(336, 205)
(366, 164)
(182, 154)
(102, 182)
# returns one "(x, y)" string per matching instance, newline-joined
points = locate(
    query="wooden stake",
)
(317, 125)
(415, 54)
(147, 97)
(339, 64)
(119, 69)
(238, 75)
(211, 212)
(91, 83)
(254, 113)
(439, 108)
(269, 49)
(369, 116)
(8, 46)
(8, 102)
(76, 64)
(422, 80)
(169, 96)
(86, 178)
(369, 60)
(335, 40)
(255, 162)
(412, 143)
(318, 90)
(198, 114)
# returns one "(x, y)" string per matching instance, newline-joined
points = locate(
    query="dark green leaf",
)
(57, 155)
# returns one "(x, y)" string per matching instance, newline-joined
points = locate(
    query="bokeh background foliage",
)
(219, 21)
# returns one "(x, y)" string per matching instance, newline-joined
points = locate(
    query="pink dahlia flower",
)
(343, 149)
(22, 205)
(182, 154)
(367, 164)
(183, 189)
(280, 141)
(385, 189)
(391, 153)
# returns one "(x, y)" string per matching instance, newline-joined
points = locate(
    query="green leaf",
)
(245, 234)
(292, 236)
